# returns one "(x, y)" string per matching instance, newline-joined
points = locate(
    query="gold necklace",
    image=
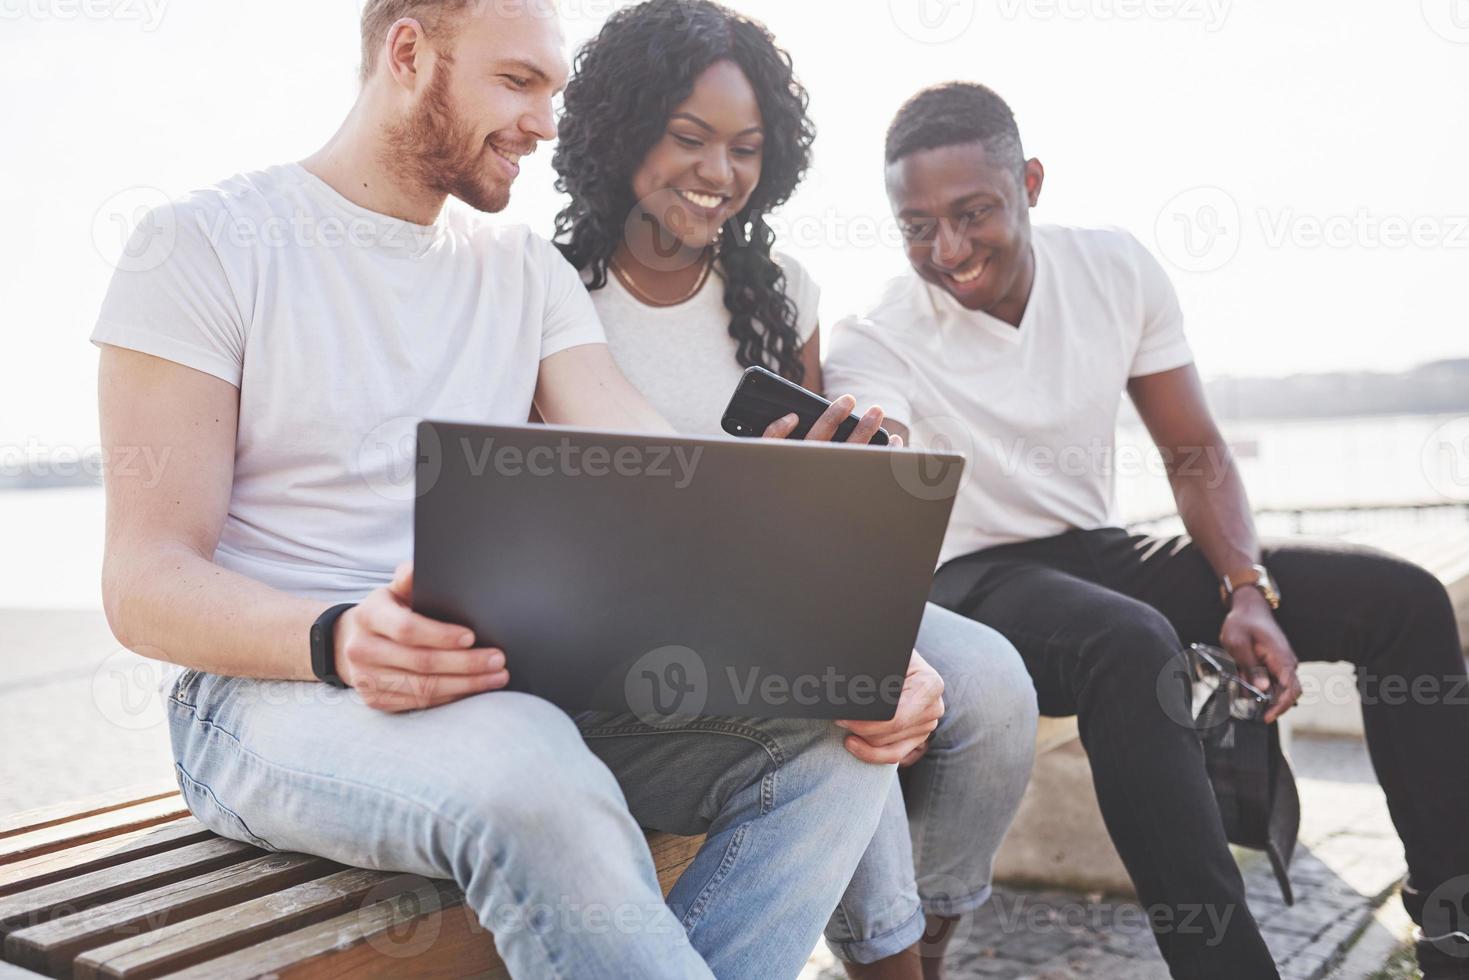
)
(627, 280)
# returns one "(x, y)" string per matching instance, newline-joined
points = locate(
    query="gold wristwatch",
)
(1256, 576)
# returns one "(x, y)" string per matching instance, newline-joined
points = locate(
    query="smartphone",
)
(764, 396)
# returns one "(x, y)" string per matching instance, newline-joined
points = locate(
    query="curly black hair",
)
(626, 84)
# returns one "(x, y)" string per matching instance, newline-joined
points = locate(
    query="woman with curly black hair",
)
(684, 127)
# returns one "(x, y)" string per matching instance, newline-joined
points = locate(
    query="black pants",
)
(1099, 615)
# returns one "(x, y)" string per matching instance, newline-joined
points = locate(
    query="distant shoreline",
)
(1436, 388)
(85, 473)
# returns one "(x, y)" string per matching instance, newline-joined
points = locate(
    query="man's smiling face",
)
(486, 104)
(966, 222)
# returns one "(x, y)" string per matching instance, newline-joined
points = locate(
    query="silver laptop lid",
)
(669, 576)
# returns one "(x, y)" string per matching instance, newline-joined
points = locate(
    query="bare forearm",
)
(1206, 484)
(1215, 509)
(583, 387)
(169, 603)
(1217, 513)
(628, 411)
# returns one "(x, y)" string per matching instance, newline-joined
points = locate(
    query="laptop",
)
(673, 577)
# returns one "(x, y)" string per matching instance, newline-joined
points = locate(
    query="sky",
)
(1298, 167)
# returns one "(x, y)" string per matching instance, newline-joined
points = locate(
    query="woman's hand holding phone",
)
(830, 421)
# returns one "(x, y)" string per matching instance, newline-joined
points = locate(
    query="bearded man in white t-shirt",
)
(1015, 343)
(275, 338)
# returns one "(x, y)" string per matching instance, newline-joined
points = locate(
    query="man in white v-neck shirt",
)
(1014, 344)
(274, 339)
(1036, 408)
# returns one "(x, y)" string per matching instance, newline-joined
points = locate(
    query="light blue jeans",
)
(537, 817)
(946, 820)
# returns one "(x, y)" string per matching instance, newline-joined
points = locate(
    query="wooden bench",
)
(134, 887)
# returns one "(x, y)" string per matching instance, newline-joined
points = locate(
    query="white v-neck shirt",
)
(1033, 408)
(682, 357)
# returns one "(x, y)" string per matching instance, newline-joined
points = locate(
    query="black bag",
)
(1252, 779)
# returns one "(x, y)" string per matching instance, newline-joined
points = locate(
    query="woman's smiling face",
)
(703, 170)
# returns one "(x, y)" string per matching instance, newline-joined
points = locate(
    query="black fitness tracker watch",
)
(324, 645)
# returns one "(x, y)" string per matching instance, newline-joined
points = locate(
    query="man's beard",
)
(435, 150)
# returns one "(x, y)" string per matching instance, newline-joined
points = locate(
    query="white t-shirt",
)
(682, 357)
(342, 328)
(1035, 408)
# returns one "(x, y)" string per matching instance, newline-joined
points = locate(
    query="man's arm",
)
(1216, 511)
(162, 592)
(166, 599)
(1206, 485)
(583, 386)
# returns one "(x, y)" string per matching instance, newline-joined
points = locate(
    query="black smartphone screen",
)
(763, 396)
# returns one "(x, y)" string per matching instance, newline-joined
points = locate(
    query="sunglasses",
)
(1220, 690)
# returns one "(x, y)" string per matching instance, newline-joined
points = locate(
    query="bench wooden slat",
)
(671, 855)
(185, 944)
(105, 853)
(384, 940)
(37, 905)
(58, 813)
(58, 836)
(51, 946)
(392, 938)
(138, 889)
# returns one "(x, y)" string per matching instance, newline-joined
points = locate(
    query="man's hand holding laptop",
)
(399, 660)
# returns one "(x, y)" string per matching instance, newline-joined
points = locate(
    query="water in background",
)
(1381, 461)
(53, 538)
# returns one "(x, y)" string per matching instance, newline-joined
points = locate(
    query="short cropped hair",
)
(954, 114)
(380, 15)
